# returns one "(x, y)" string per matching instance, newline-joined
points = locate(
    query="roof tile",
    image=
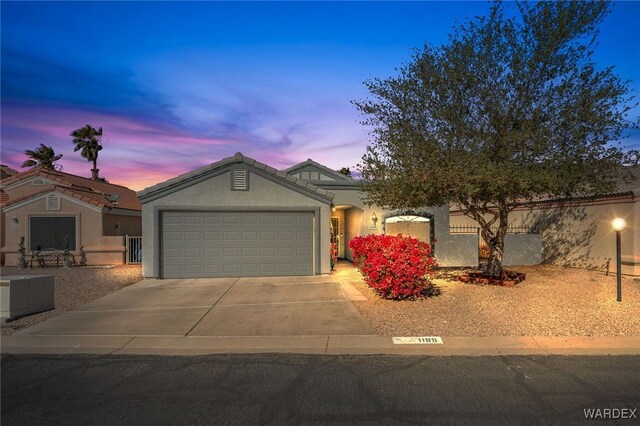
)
(88, 190)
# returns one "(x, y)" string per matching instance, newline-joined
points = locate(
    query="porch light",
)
(15, 222)
(374, 220)
(618, 224)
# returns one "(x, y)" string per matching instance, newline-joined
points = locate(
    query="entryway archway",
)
(346, 224)
(410, 223)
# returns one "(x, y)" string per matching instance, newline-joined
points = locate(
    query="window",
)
(240, 180)
(53, 202)
(37, 181)
(49, 232)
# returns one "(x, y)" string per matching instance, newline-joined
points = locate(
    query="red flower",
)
(397, 267)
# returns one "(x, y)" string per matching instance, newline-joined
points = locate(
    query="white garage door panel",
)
(212, 244)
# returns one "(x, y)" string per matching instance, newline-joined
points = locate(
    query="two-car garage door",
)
(216, 244)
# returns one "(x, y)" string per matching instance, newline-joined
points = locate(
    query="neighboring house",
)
(6, 171)
(240, 217)
(45, 206)
(577, 232)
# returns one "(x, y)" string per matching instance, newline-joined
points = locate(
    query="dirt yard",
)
(552, 301)
(74, 287)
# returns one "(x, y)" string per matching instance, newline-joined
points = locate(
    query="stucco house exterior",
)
(240, 217)
(45, 206)
(577, 232)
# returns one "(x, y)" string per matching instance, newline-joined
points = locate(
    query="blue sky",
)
(180, 85)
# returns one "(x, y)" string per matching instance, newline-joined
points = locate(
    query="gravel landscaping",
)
(74, 287)
(552, 301)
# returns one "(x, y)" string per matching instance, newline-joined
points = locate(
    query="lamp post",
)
(618, 225)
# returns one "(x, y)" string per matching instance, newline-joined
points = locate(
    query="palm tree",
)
(44, 157)
(87, 141)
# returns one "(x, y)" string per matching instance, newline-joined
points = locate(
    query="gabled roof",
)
(6, 171)
(84, 189)
(319, 167)
(195, 176)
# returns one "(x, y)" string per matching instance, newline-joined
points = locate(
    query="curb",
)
(319, 345)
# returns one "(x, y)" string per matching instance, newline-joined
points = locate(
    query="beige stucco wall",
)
(450, 249)
(88, 232)
(580, 235)
(354, 225)
(215, 193)
(126, 225)
(2, 237)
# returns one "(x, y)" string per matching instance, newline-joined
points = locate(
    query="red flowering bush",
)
(334, 255)
(397, 267)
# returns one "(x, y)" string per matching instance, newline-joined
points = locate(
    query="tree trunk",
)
(95, 170)
(495, 242)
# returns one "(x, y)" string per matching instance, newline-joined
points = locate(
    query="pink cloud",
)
(135, 154)
(138, 153)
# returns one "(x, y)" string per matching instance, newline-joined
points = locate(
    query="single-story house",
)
(46, 206)
(240, 217)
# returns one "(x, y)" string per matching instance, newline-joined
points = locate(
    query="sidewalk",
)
(322, 345)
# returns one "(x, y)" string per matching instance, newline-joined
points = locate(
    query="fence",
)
(134, 249)
(483, 247)
(472, 229)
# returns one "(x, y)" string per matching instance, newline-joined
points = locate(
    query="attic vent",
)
(53, 202)
(37, 181)
(240, 180)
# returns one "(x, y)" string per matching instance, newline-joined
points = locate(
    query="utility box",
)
(25, 294)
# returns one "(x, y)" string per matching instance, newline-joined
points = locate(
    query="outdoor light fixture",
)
(618, 225)
(15, 222)
(333, 208)
(374, 221)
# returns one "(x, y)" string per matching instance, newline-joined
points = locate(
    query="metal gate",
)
(134, 249)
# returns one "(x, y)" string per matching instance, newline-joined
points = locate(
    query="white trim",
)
(46, 194)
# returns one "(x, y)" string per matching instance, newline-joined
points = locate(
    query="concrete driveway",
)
(278, 306)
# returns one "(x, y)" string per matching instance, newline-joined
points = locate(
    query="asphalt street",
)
(312, 389)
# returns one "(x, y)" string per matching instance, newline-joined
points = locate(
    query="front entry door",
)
(337, 234)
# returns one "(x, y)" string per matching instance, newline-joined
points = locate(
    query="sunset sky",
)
(176, 86)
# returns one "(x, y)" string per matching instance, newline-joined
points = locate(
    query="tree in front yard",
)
(508, 110)
(88, 141)
(44, 156)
